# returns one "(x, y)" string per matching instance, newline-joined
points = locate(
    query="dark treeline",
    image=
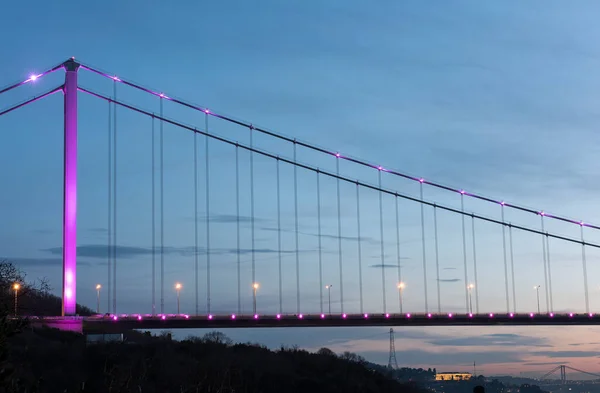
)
(49, 360)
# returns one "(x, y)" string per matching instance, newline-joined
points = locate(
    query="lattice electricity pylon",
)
(392, 362)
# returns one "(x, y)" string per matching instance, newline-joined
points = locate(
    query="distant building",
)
(453, 376)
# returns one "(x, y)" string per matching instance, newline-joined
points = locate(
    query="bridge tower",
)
(392, 362)
(563, 374)
(69, 293)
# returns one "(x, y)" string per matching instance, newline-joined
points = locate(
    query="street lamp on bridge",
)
(537, 289)
(401, 287)
(470, 288)
(255, 287)
(328, 287)
(178, 287)
(98, 287)
(16, 287)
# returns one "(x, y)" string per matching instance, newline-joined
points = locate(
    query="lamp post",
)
(328, 287)
(98, 287)
(255, 287)
(178, 289)
(537, 289)
(470, 287)
(401, 287)
(16, 287)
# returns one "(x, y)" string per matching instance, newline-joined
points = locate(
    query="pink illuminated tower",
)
(69, 301)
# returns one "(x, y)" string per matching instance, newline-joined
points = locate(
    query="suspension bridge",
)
(325, 225)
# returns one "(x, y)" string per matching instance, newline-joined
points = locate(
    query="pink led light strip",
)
(338, 155)
(330, 174)
(32, 78)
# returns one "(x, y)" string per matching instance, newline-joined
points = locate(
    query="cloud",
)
(324, 236)
(230, 219)
(500, 339)
(101, 251)
(566, 354)
(39, 262)
(449, 279)
(97, 230)
(384, 266)
(542, 363)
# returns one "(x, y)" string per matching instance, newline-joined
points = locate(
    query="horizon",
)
(498, 99)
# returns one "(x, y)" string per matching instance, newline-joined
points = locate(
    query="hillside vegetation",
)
(48, 360)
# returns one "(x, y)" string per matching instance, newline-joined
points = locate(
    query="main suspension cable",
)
(337, 154)
(336, 176)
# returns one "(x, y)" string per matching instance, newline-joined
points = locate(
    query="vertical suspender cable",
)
(339, 211)
(115, 200)
(475, 265)
(585, 279)
(319, 236)
(252, 206)
(512, 268)
(162, 212)
(109, 250)
(464, 246)
(545, 263)
(196, 220)
(424, 253)
(437, 259)
(207, 187)
(505, 260)
(296, 232)
(237, 215)
(398, 253)
(359, 237)
(279, 240)
(549, 271)
(153, 203)
(382, 248)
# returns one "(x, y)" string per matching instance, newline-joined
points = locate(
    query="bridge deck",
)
(120, 323)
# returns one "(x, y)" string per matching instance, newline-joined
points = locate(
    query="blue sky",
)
(498, 99)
